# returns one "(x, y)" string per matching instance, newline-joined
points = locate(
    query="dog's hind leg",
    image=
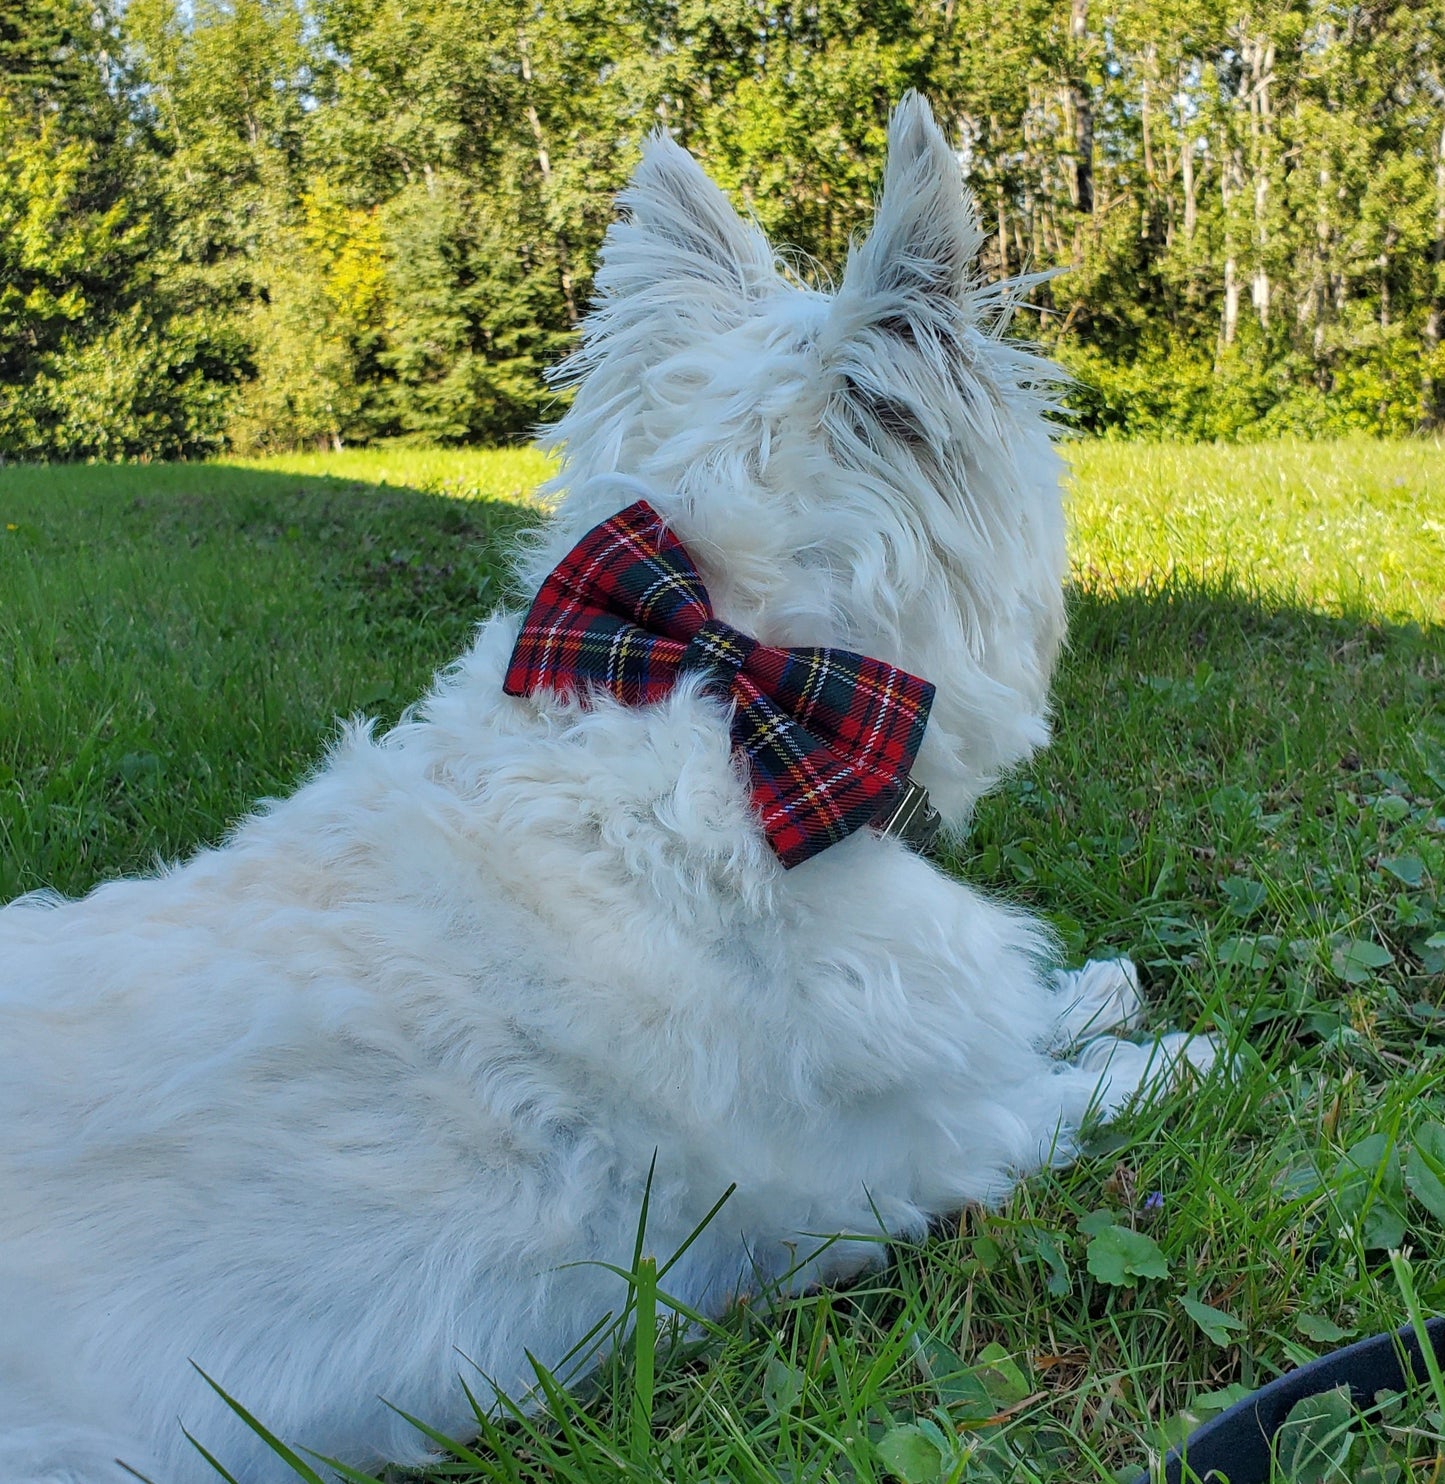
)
(1101, 1003)
(1126, 1070)
(1102, 998)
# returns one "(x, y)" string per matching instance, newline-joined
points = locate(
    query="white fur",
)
(354, 1106)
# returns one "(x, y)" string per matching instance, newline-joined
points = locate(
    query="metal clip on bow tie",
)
(829, 736)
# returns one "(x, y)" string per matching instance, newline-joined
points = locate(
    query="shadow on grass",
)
(350, 534)
(1227, 681)
(1234, 780)
(177, 641)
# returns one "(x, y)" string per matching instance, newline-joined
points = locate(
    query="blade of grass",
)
(288, 1455)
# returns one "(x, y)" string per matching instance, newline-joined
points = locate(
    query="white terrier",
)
(356, 1105)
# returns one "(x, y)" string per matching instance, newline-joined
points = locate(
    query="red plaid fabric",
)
(829, 736)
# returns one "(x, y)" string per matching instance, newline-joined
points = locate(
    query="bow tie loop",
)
(720, 651)
(828, 735)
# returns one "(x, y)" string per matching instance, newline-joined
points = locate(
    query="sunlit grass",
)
(468, 473)
(1355, 525)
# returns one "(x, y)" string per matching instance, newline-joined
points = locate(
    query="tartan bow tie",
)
(828, 735)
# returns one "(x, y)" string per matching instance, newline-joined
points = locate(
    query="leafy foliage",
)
(272, 224)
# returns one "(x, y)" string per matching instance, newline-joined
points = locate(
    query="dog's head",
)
(870, 468)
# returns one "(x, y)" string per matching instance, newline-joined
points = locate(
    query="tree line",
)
(267, 223)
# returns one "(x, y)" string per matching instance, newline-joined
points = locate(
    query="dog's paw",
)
(1127, 1070)
(1102, 998)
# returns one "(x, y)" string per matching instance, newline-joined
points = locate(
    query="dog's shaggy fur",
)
(360, 1101)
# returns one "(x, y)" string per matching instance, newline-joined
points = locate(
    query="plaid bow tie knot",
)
(720, 650)
(828, 735)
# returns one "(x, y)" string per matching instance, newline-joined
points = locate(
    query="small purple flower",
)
(1155, 1201)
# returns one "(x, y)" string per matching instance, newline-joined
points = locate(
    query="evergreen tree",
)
(75, 230)
(290, 221)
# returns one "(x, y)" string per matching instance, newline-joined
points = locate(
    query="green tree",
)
(291, 221)
(76, 230)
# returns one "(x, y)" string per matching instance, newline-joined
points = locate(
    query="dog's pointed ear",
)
(677, 236)
(920, 253)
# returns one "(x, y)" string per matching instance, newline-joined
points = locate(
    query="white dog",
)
(356, 1105)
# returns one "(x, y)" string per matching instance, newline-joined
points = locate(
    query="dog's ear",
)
(677, 237)
(919, 255)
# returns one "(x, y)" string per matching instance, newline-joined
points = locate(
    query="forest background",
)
(260, 224)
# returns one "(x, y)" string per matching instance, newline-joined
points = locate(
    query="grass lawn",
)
(1246, 793)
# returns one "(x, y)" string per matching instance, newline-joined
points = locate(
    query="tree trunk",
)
(1319, 295)
(1003, 269)
(1191, 204)
(1145, 88)
(1154, 211)
(1392, 237)
(1082, 109)
(1432, 394)
(544, 165)
(1260, 57)
(1231, 179)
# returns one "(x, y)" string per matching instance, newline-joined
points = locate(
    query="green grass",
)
(1355, 527)
(1246, 793)
(506, 473)
(177, 641)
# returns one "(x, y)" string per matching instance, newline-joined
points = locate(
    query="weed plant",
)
(1246, 793)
